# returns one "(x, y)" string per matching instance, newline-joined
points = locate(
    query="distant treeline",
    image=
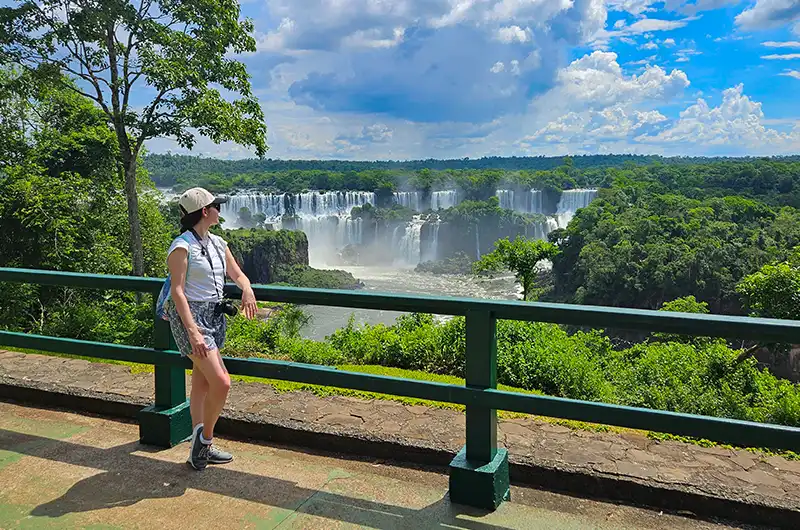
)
(169, 169)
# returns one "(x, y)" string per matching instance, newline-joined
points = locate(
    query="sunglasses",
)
(214, 205)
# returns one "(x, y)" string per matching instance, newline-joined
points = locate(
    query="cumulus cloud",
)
(597, 80)
(377, 133)
(509, 34)
(431, 60)
(736, 122)
(610, 124)
(766, 14)
(791, 73)
(599, 103)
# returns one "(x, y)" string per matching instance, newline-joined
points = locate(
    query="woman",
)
(198, 262)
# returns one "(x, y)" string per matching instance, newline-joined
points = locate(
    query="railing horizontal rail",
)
(721, 429)
(82, 280)
(732, 327)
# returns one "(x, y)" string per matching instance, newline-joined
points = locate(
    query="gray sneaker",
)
(216, 456)
(198, 454)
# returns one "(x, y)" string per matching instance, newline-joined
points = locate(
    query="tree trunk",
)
(137, 251)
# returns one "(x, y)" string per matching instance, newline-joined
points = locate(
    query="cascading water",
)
(536, 202)
(407, 242)
(571, 201)
(506, 198)
(323, 216)
(408, 199)
(429, 251)
(441, 200)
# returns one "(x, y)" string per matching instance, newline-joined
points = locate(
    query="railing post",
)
(479, 473)
(167, 422)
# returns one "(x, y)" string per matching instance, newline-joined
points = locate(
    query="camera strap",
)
(211, 262)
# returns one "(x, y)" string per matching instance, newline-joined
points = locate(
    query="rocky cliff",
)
(281, 256)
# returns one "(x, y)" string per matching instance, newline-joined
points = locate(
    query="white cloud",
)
(640, 62)
(736, 123)
(610, 124)
(691, 7)
(649, 46)
(788, 44)
(669, 42)
(619, 24)
(682, 56)
(403, 58)
(781, 57)
(595, 103)
(510, 34)
(644, 26)
(374, 38)
(791, 73)
(598, 80)
(766, 14)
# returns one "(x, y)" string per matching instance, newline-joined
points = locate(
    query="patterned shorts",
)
(211, 326)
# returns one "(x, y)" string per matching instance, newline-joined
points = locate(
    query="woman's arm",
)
(235, 273)
(178, 263)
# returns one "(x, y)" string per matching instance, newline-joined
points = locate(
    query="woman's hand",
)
(198, 344)
(249, 307)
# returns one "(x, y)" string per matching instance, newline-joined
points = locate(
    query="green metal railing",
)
(479, 473)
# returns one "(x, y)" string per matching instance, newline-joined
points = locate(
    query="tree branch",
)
(749, 352)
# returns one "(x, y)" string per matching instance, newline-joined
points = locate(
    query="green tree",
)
(774, 290)
(520, 256)
(180, 49)
(245, 217)
(61, 208)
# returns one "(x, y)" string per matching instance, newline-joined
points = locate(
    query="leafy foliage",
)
(62, 209)
(521, 256)
(180, 49)
(634, 247)
(700, 378)
(774, 290)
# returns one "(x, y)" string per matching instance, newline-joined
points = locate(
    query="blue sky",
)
(401, 79)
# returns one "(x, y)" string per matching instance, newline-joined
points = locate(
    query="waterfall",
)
(571, 201)
(477, 242)
(323, 216)
(506, 198)
(407, 199)
(532, 203)
(431, 250)
(536, 202)
(522, 203)
(407, 245)
(442, 200)
(435, 241)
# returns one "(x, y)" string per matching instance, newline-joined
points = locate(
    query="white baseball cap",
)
(197, 199)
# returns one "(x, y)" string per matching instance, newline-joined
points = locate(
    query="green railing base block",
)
(165, 427)
(483, 486)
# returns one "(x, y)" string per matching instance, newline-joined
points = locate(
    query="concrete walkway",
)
(623, 467)
(64, 470)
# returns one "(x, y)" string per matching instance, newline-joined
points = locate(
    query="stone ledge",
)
(627, 468)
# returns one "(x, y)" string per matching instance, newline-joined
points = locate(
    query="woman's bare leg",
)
(197, 397)
(219, 384)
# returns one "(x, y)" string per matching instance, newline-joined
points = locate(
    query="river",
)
(326, 320)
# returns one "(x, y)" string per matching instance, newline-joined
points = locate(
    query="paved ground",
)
(599, 465)
(64, 470)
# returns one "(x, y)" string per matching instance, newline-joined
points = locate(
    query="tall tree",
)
(521, 256)
(181, 49)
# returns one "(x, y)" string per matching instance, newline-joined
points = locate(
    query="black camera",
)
(227, 307)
